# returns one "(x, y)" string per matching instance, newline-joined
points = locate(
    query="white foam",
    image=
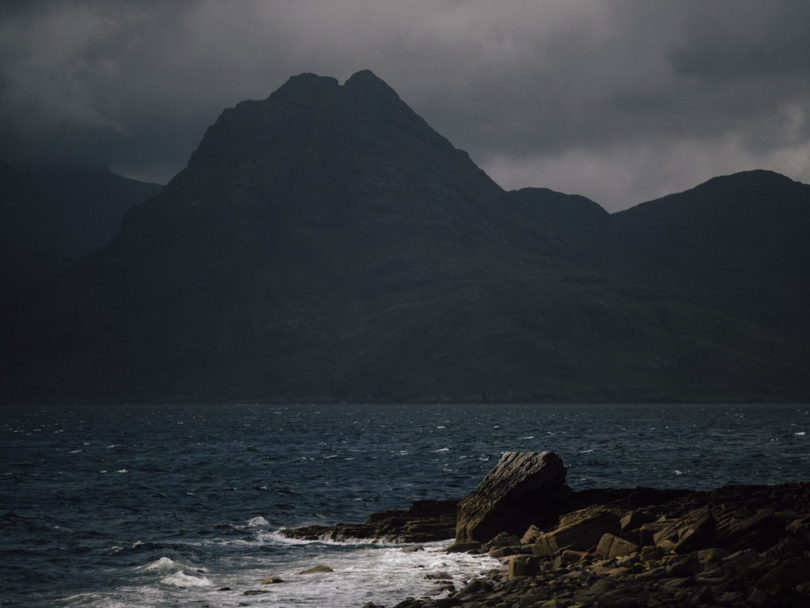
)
(255, 522)
(164, 563)
(185, 581)
(379, 573)
(800, 433)
(441, 450)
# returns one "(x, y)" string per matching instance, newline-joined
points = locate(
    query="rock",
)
(759, 532)
(530, 535)
(255, 592)
(272, 580)
(649, 553)
(646, 533)
(316, 570)
(438, 576)
(569, 556)
(684, 565)
(712, 554)
(470, 547)
(687, 533)
(501, 540)
(524, 565)
(424, 521)
(580, 530)
(786, 576)
(800, 527)
(633, 520)
(524, 488)
(696, 533)
(611, 545)
(504, 551)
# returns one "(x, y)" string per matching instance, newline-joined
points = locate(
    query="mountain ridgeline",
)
(53, 216)
(327, 244)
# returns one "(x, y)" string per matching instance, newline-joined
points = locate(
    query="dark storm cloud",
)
(621, 101)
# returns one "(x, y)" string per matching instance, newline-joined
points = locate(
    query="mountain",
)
(736, 242)
(326, 243)
(55, 215)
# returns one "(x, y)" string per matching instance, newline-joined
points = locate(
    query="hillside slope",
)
(326, 243)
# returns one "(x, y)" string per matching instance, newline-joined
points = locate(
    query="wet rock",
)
(424, 521)
(317, 569)
(471, 547)
(438, 576)
(524, 488)
(272, 580)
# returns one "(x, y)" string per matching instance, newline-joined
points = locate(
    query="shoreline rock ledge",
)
(746, 546)
(524, 489)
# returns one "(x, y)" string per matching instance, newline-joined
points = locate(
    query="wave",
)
(163, 564)
(255, 522)
(184, 581)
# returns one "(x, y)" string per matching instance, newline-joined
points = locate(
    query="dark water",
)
(165, 505)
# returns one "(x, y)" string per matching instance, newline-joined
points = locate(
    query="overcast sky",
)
(621, 101)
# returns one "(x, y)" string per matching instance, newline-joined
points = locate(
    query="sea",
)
(180, 505)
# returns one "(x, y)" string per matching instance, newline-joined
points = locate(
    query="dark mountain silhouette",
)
(55, 215)
(736, 242)
(326, 243)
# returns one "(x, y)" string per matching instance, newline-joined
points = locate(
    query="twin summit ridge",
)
(326, 244)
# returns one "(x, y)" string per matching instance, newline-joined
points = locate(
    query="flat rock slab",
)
(523, 489)
(424, 521)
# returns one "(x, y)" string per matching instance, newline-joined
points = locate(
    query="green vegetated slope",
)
(326, 243)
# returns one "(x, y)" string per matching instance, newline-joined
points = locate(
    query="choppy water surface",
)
(179, 505)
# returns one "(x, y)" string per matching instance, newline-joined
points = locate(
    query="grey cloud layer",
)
(621, 101)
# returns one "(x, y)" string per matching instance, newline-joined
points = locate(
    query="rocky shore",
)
(642, 547)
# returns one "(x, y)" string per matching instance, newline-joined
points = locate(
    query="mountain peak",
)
(306, 83)
(366, 79)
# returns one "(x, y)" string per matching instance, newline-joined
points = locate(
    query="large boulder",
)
(524, 489)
